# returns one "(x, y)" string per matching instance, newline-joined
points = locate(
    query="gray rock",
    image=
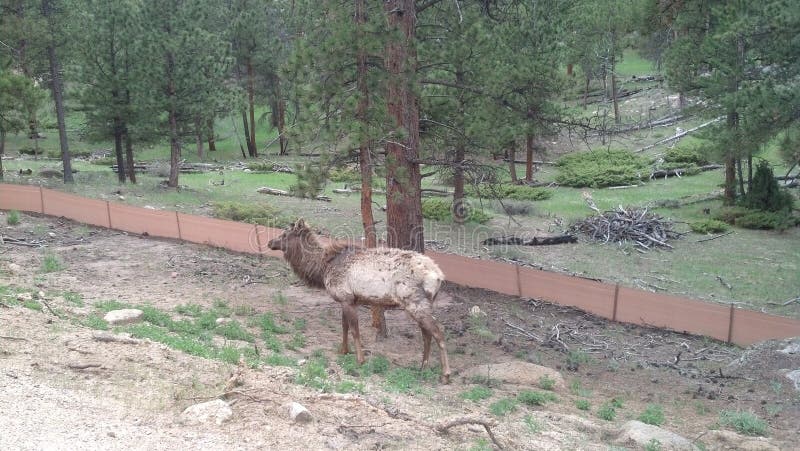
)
(721, 439)
(221, 321)
(516, 372)
(15, 268)
(794, 376)
(124, 316)
(216, 411)
(298, 413)
(792, 348)
(641, 434)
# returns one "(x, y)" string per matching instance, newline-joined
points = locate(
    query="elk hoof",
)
(343, 350)
(445, 379)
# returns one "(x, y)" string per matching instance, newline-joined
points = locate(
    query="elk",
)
(386, 277)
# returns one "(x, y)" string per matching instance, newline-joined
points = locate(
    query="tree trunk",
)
(403, 197)
(740, 175)
(129, 157)
(57, 87)
(118, 131)
(749, 171)
(174, 138)
(586, 92)
(512, 166)
(250, 150)
(529, 157)
(730, 163)
(614, 99)
(460, 212)
(365, 160)
(212, 143)
(570, 73)
(198, 126)
(283, 140)
(251, 103)
(2, 150)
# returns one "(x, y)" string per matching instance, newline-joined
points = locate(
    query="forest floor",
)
(61, 387)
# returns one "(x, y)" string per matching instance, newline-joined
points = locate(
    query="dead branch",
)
(724, 284)
(644, 229)
(487, 424)
(523, 331)
(7, 337)
(680, 134)
(714, 237)
(535, 241)
(281, 192)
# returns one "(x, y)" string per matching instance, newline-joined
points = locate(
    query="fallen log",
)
(680, 134)
(535, 241)
(281, 192)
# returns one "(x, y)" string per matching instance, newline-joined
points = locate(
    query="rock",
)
(720, 439)
(298, 413)
(640, 434)
(794, 376)
(475, 312)
(221, 321)
(791, 348)
(124, 316)
(14, 268)
(216, 411)
(516, 372)
(24, 297)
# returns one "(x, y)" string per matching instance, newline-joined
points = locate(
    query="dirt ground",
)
(60, 388)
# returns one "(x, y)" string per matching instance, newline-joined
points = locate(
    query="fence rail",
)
(727, 323)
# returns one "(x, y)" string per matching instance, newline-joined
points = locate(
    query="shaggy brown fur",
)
(385, 277)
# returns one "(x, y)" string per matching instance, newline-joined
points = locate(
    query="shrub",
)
(685, 156)
(653, 414)
(601, 168)
(707, 226)
(767, 220)
(607, 412)
(514, 208)
(547, 383)
(503, 407)
(515, 192)
(746, 423)
(12, 218)
(477, 393)
(104, 161)
(51, 263)
(345, 175)
(441, 210)
(582, 404)
(252, 213)
(765, 194)
(535, 398)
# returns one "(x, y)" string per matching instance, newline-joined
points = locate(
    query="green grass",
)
(234, 331)
(477, 393)
(109, 305)
(536, 398)
(94, 322)
(607, 412)
(503, 407)
(409, 380)
(51, 263)
(32, 305)
(583, 404)
(12, 218)
(653, 414)
(314, 373)
(192, 310)
(533, 426)
(347, 386)
(746, 423)
(547, 383)
(73, 298)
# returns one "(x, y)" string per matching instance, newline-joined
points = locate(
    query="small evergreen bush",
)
(515, 192)
(765, 194)
(601, 168)
(441, 210)
(252, 213)
(707, 226)
(686, 156)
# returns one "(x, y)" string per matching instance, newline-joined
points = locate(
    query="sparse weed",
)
(576, 358)
(349, 387)
(607, 412)
(244, 310)
(652, 445)
(51, 263)
(12, 218)
(315, 373)
(298, 341)
(534, 427)
(653, 414)
(536, 398)
(409, 380)
(234, 331)
(583, 404)
(746, 423)
(192, 310)
(481, 444)
(577, 389)
(547, 383)
(109, 305)
(276, 359)
(32, 304)
(94, 322)
(477, 393)
(503, 407)
(73, 298)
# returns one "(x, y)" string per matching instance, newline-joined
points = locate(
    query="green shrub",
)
(767, 220)
(607, 412)
(765, 194)
(547, 383)
(582, 404)
(51, 263)
(260, 166)
(746, 423)
(234, 331)
(311, 180)
(535, 398)
(515, 192)
(685, 156)
(349, 387)
(253, 213)
(314, 373)
(601, 168)
(477, 393)
(345, 174)
(12, 218)
(105, 161)
(409, 380)
(503, 407)
(441, 210)
(729, 215)
(707, 226)
(653, 414)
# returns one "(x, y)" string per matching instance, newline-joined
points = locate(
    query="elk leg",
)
(379, 322)
(429, 328)
(345, 349)
(350, 312)
(426, 348)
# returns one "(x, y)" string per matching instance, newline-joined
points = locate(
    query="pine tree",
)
(19, 98)
(55, 34)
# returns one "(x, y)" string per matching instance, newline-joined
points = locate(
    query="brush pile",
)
(646, 230)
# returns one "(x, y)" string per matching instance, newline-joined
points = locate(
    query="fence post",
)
(178, 223)
(616, 300)
(730, 326)
(41, 197)
(519, 282)
(108, 212)
(258, 241)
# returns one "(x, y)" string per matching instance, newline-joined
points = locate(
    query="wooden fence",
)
(614, 302)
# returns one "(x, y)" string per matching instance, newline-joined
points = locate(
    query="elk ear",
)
(301, 224)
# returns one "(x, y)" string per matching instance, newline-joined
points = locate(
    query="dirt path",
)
(61, 388)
